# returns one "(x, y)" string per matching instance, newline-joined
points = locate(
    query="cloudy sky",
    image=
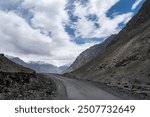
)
(57, 31)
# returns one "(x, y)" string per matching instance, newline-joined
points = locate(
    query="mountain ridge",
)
(38, 66)
(126, 61)
(21, 83)
(90, 54)
(8, 66)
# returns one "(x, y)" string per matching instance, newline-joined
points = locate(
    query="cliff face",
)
(126, 61)
(90, 54)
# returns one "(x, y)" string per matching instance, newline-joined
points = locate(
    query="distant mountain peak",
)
(38, 66)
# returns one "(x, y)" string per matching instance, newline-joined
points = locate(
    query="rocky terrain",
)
(18, 82)
(90, 54)
(126, 61)
(39, 67)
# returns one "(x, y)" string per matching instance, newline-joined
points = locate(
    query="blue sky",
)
(57, 31)
(123, 6)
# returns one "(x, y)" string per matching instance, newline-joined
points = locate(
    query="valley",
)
(118, 68)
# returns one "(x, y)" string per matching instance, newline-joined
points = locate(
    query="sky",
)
(57, 31)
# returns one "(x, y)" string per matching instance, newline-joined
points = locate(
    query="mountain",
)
(63, 68)
(44, 67)
(126, 61)
(90, 54)
(39, 67)
(17, 60)
(18, 82)
(8, 66)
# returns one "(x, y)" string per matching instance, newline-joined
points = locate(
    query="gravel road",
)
(74, 89)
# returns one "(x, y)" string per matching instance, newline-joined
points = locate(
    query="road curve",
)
(74, 89)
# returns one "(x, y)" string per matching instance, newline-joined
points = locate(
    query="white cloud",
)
(108, 26)
(111, 26)
(18, 38)
(19, 35)
(31, 41)
(137, 2)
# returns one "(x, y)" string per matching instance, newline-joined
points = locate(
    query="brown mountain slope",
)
(126, 61)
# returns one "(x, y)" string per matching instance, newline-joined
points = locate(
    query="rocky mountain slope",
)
(63, 68)
(90, 54)
(17, 60)
(18, 82)
(126, 61)
(8, 66)
(39, 67)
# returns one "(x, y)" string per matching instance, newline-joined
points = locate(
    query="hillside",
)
(126, 61)
(18, 82)
(90, 54)
(8, 66)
